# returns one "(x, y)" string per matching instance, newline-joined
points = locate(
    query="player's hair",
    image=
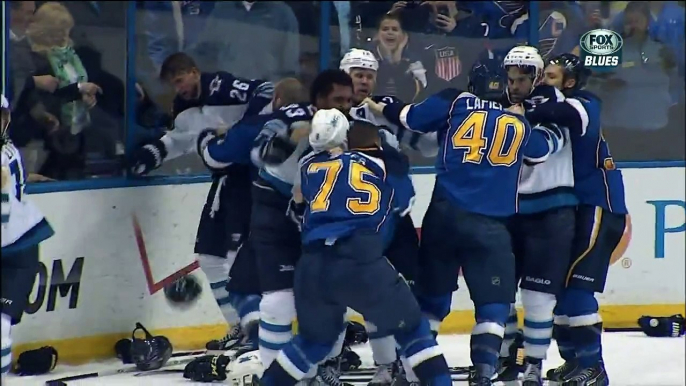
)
(289, 91)
(363, 135)
(322, 85)
(176, 64)
(641, 7)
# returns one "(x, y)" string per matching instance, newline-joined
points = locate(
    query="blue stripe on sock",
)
(276, 327)
(295, 356)
(6, 369)
(5, 351)
(272, 345)
(539, 342)
(219, 284)
(538, 325)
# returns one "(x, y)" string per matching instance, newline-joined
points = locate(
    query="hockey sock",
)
(247, 307)
(487, 336)
(383, 348)
(561, 332)
(586, 325)
(538, 323)
(277, 311)
(423, 355)
(216, 269)
(6, 350)
(435, 309)
(296, 361)
(511, 329)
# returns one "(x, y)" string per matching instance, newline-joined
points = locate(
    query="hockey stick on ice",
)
(178, 359)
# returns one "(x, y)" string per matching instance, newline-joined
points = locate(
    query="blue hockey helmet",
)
(572, 68)
(487, 79)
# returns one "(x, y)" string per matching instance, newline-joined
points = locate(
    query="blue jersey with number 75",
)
(344, 193)
(482, 148)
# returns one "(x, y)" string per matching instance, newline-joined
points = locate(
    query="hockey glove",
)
(204, 138)
(36, 362)
(671, 326)
(208, 368)
(295, 212)
(148, 158)
(276, 150)
(349, 360)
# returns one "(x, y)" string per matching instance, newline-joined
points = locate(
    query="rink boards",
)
(115, 249)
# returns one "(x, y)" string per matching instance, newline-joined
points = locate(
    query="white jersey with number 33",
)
(18, 214)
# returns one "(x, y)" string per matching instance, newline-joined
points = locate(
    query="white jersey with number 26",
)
(18, 214)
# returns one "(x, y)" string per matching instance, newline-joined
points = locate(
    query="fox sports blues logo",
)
(601, 49)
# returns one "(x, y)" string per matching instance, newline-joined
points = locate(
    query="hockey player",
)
(403, 250)
(603, 225)
(23, 229)
(274, 237)
(220, 151)
(348, 201)
(465, 224)
(211, 100)
(543, 229)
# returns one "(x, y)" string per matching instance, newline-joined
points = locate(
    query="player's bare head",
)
(288, 91)
(519, 83)
(332, 89)
(363, 135)
(362, 66)
(4, 117)
(182, 73)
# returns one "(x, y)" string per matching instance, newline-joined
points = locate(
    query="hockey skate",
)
(248, 341)
(329, 374)
(228, 342)
(592, 376)
(532, 374)
(562, 372)
(384, 376)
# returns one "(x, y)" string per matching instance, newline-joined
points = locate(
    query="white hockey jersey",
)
(549, 184)
(426, 144)
(19, 215)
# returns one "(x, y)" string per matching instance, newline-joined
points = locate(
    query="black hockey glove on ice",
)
(147, 158)
(208, 368)
(355, 333)
(670, 326)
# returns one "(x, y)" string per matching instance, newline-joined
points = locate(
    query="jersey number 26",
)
(470, 137)
(355, 180)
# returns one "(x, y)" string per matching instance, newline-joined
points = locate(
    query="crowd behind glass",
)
(67, 65)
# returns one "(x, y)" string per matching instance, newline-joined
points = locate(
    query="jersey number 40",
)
(508, 137)
(355, 181)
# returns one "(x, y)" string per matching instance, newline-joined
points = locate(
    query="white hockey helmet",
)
(243, 369)
(5, 111)
(525, 56)
(329, 129)
(358, 58)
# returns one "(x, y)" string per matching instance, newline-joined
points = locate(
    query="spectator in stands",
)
(73, 136)
(666, 23)
(252, 39)
(636, 97)
(173, 26)
(400, 73)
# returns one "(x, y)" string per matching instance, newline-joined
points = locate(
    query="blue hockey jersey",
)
(597, 181)
(344, 193)
(282, 123)
(235, 146)
(482, 148)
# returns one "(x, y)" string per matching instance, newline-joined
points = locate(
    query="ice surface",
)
(632, 359)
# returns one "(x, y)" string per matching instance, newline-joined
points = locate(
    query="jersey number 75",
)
(355, 180)
(508, 137)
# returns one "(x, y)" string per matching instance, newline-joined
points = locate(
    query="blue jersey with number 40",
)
(481, 148)
(344, 193)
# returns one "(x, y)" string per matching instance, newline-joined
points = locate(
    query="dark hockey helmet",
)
(487, 79)
(149, 353)
(184, 292)
(572, 68)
